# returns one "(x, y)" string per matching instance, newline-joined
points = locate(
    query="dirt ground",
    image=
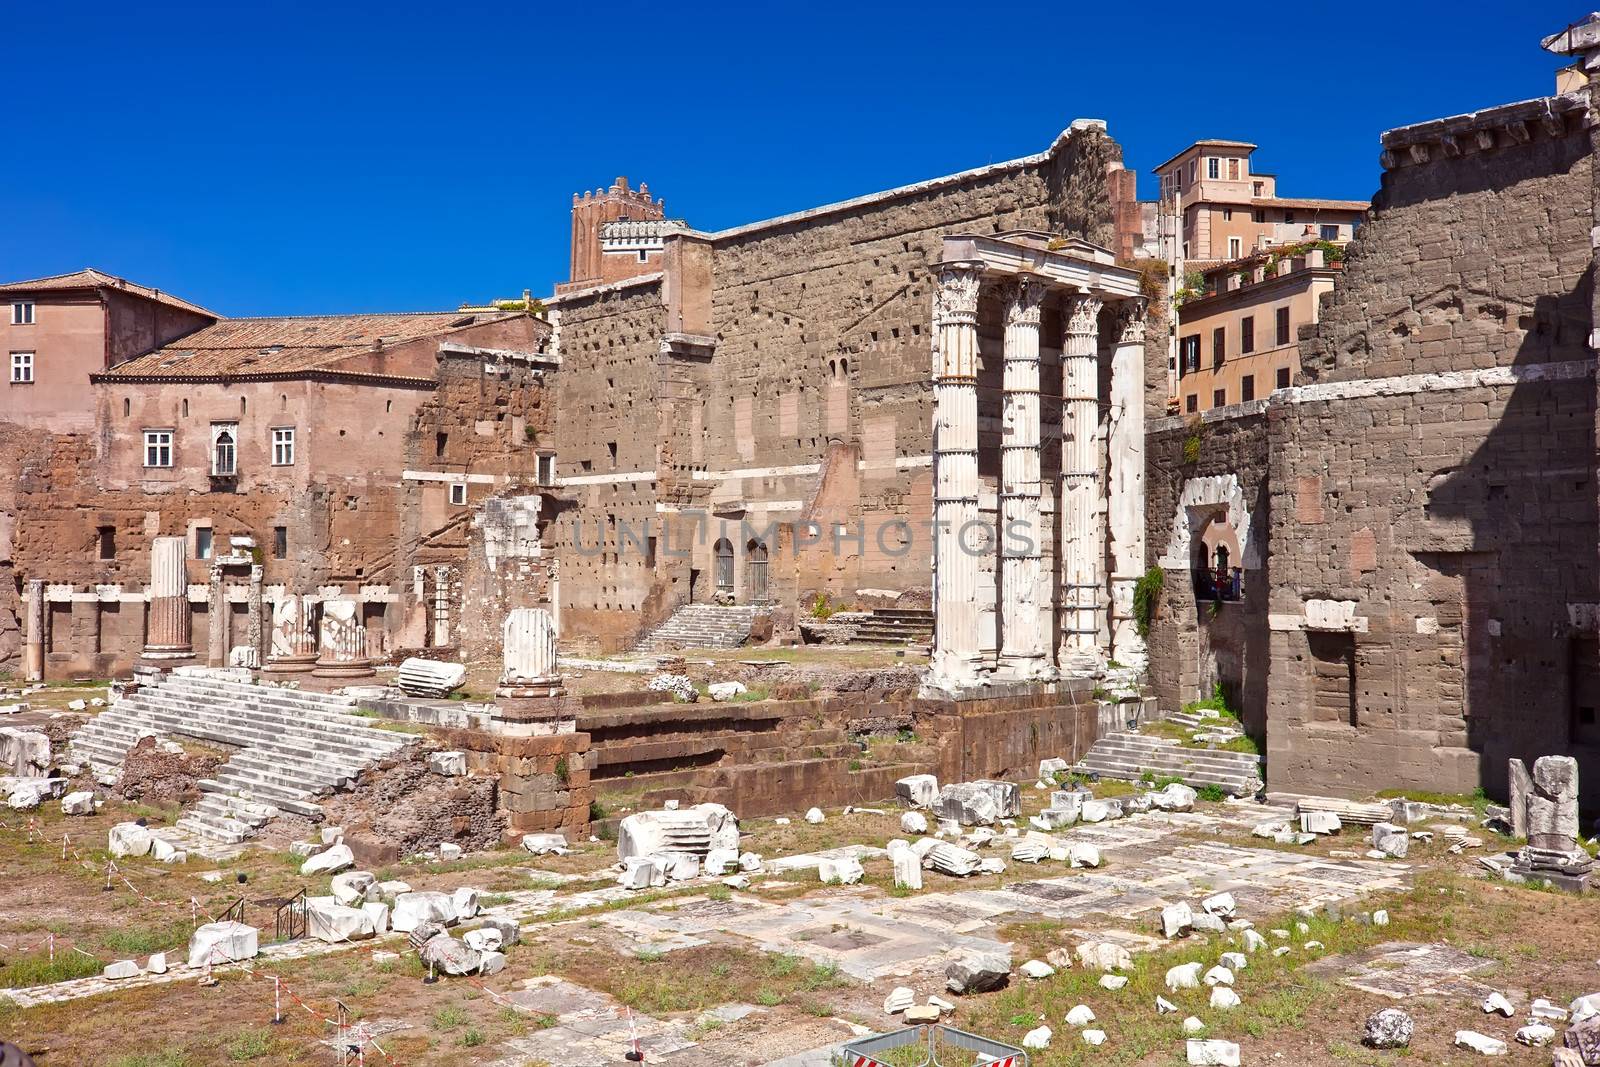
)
(1296, 1009)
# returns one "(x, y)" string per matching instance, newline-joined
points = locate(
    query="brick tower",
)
(601, 254)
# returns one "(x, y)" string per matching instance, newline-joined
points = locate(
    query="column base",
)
(167, 652)
(343, 669)
(1017, 668)
(530, 689)
(290, 664)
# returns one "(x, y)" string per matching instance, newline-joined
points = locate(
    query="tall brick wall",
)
(1460, 521)
(814, 405)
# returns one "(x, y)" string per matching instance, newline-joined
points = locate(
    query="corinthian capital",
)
(1024, 301)
(1082, 314)
(956, 299)
(1130, 321)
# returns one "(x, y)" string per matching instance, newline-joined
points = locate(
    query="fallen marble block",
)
(950, 860)
(121, 969)
(1390, 839)
(1177, 919)
(1036, 969)
(1211, 1052)
(336, 858)
(1480, 1043)
(449, 956)
(967, 803)
(914, 822)
(79, 803)
(223, 942)
(977, 972)
(413, 909)
(129, 839)
(1175, 797)
(843, 870)
(692, 831)
(545, 844)
(907, 869)
(1183, 976)
(1320, 822)
(1083, 854)
(899, 999)
(917, 790)
(327, 920)
(1104, 956)
(1388, 1028)
(353, 887)
(450, 764)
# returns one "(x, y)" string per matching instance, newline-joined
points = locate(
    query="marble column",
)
(168, 631)
(1081, 547)
(293, 644)
(1125, 493)
(256, 628)
(1023, 653)
(34, 649)
(529, 654)
(441, 606)
(216, 618)
(343, 642)
(956, 663)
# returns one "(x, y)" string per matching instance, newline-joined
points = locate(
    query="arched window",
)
(223, 454)
(756, 558)
(724, 571)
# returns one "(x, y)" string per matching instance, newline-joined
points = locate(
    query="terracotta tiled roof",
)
(1310, 203)
(89, 278)
(295, 344)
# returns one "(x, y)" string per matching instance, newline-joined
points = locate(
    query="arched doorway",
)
(756, 563)
(724, 567)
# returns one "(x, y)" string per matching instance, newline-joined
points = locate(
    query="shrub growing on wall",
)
(1146, 594)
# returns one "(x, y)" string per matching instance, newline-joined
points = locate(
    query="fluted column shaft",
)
(955, 662)
(1125, 493)
(168, 631)
(293, 643)
(1023, 653)
(1082, 546)
(35, 644)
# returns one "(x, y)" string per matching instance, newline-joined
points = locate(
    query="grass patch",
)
(165, 1058)
(251, 1044)
(40, 969)
(451, 1018)
(1478, 801)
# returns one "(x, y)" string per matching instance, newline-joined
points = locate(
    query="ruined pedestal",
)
(343, 642)
(292, 648)
(1550, 813)
(167, 632)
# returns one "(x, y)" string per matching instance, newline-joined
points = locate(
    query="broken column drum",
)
(529, 655)
(343, 641)
(167, 634)
(293, 643)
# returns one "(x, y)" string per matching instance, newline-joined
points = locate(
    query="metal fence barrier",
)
(929, 1046)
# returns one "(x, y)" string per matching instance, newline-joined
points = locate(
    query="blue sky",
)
(286, 158)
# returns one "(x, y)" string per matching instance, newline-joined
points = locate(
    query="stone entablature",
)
(1482, 131)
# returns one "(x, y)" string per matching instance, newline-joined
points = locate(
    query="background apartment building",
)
(1239, 339)
(1224, 210)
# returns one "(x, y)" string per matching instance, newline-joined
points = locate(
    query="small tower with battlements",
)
(617, 233)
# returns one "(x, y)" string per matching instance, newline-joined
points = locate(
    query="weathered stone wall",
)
(606, 433)
(1201, 472)
(773, 757)
(813, 407)
(1451, 521)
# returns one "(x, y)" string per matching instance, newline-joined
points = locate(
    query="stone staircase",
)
(1130, 756)
(895, 626)
(702, 626)
(289, 746)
